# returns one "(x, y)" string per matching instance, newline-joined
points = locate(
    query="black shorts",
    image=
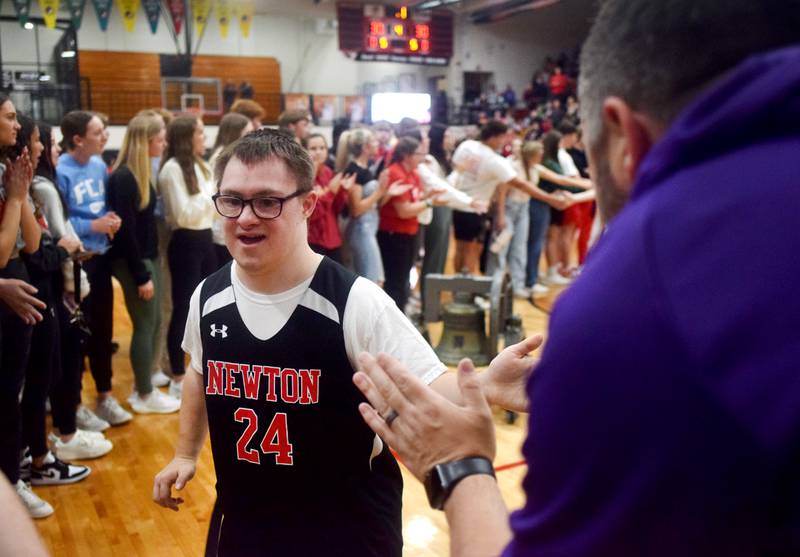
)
(469, 227)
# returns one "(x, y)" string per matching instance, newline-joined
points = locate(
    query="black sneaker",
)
(57, 472)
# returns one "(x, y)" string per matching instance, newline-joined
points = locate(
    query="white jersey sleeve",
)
(373, 324)
(192, 343)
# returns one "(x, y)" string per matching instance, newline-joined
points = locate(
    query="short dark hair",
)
(249, 108)
(405, 147)
(265, 144)
(566, 128)
(493, 128)
(292, 117)
(647, 52)
(75, 123)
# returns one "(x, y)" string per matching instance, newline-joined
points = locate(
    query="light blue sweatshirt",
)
(84, 187)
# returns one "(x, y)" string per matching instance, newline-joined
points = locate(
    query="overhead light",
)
(431, 4)
(68, 54)
(28, 25)
(44, 77)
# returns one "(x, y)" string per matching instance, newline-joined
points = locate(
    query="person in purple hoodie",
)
(665, 410)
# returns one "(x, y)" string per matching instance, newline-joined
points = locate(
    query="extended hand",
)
(397, 188)
(479, 206)
(505, 380)
(429, 429)
(19, 296)
(177, 472)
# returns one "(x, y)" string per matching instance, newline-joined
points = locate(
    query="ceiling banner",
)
(178, 11)
(23, 10)
(245, 9)
(76, 12)
(103, 9)
(49, 10)
(224, 12)
(200, 10)
(129, 9)
(153, 10)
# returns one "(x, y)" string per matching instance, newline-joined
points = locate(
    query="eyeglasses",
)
(231, 206)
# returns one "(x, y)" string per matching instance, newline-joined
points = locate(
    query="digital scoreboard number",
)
(392, 33)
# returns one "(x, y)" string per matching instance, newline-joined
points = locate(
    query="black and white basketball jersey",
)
(296, 474)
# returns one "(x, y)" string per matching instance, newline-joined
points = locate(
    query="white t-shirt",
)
(372, 323)
(567, 164)
(480, 170)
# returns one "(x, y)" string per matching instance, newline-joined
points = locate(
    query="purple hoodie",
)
(666, 408)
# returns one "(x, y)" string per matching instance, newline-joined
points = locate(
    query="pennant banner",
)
(224, 12)
(103, 9)
(153, 10)
(76, 12)
(49, 10)
(177, 11)
(200, 9)
(23, 9)
(129, 9)
(244, 11)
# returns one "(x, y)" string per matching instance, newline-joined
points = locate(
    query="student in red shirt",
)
(398, 225)
(323, 229)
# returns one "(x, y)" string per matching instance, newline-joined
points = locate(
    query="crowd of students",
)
(388, 198)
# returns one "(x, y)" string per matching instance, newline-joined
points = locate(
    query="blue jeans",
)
(539, 214)
(366, 255)
(515, 252)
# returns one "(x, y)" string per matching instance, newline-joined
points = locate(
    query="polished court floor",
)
(111, 512)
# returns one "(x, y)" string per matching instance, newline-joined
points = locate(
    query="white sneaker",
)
(37, 507)
(522, 293)
(176, 389)
(154, 403)
(539, 290)
(554, 278)
(109, 410)
(159, 379)
(52, 437)
(87, 420)
(83, 445)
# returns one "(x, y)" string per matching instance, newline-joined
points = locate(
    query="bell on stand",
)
(464, 334)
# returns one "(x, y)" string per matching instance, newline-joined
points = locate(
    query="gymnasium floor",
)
(111, 512)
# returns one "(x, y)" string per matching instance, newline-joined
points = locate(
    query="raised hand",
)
(428, 429)
(18, 176)
(397, 188)
(505, 380)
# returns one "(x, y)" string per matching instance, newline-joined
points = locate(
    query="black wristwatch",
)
(442, 478)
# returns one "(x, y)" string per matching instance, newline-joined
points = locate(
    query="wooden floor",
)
(111, 512)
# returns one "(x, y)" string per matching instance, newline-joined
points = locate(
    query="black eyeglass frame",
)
(245, 202)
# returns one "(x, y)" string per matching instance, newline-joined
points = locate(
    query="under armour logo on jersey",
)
(222, 330)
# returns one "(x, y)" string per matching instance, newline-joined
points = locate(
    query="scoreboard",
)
(395, 33)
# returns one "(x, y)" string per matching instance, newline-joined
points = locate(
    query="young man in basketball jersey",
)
(273, 339)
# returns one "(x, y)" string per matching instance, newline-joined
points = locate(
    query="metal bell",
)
(464, 334)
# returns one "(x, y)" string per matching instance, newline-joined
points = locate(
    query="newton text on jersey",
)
(236, 380)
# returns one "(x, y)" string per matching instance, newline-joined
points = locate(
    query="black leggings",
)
(397, 252)
(43, 364)
(99, 307)
(15, 338)
(65, 389)
(191, 259)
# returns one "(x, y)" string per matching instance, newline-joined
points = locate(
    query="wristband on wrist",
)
(442, 478)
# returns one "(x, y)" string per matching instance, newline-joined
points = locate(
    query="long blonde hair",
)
(528, 152)
(351, 144)
(135, 152)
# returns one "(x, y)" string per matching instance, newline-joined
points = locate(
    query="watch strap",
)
(443, 478)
